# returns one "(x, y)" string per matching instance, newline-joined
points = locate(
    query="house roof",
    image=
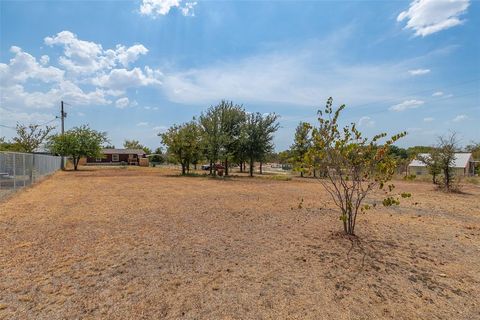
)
(123, 151)
(461, 160)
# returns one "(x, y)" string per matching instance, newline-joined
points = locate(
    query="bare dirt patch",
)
(139, 243)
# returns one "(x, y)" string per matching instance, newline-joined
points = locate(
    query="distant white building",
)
(463, 165)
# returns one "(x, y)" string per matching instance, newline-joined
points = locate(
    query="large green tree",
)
(78, 142)
(211, 135)
(259, 130)
(301, 144)
(222, 129)
(183, 144)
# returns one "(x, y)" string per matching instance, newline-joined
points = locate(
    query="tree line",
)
(223, 133)
(439, 162)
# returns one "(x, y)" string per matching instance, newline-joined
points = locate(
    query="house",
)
(121, 156)
(462, 166)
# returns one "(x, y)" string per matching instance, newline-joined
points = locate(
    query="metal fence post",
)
(23, 177)
(14, 174)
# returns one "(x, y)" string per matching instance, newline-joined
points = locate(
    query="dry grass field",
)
(140, 243)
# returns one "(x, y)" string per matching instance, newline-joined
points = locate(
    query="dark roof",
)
(123, 151)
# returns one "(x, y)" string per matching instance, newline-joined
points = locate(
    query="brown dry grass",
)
(139, 243)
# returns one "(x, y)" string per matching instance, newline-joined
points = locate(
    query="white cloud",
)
(24, 66)
(437, 94)
(128, 55)
(82, 64)
(142, 124)
(407, 104)
(426, 17)
(81, 56)
(44, 59)
(121, 79)
(187, 10)
(418, 72)
(156, 8)
(86, 57)
(366, 122)
(428, 119)
(122, 103)
(460, 118)
(15, 96)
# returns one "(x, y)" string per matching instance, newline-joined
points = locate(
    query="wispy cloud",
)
(407, 104)
(426, 17)
(428, 119)
(289, 77)
(460, 117)
(418, 72)
(142, 124)
(366, 121)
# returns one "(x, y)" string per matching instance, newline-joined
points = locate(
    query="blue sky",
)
(133, 68)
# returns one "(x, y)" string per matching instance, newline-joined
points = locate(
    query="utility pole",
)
(63, 115)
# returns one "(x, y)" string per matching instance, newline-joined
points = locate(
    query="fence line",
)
(18, 170)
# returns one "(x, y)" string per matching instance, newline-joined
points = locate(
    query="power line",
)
(49, 121)
(8, 127)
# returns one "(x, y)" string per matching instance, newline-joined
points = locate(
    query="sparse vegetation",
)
(354, 165)
(28, 138)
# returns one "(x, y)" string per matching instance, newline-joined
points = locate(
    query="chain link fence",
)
(18, 170)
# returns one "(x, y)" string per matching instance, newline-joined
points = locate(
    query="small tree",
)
(355, 165)
(300, 147)
(433, 163)
(447, 146)
(30, 138)
(158, 156)
(78, 142)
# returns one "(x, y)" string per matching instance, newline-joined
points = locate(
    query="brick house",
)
(120, 156)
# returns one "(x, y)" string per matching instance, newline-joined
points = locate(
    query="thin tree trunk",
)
(211, 167)
(226, 166)
(241, 166)
(75, 163)
(183, 168)
(261, 168)
(251, 167)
